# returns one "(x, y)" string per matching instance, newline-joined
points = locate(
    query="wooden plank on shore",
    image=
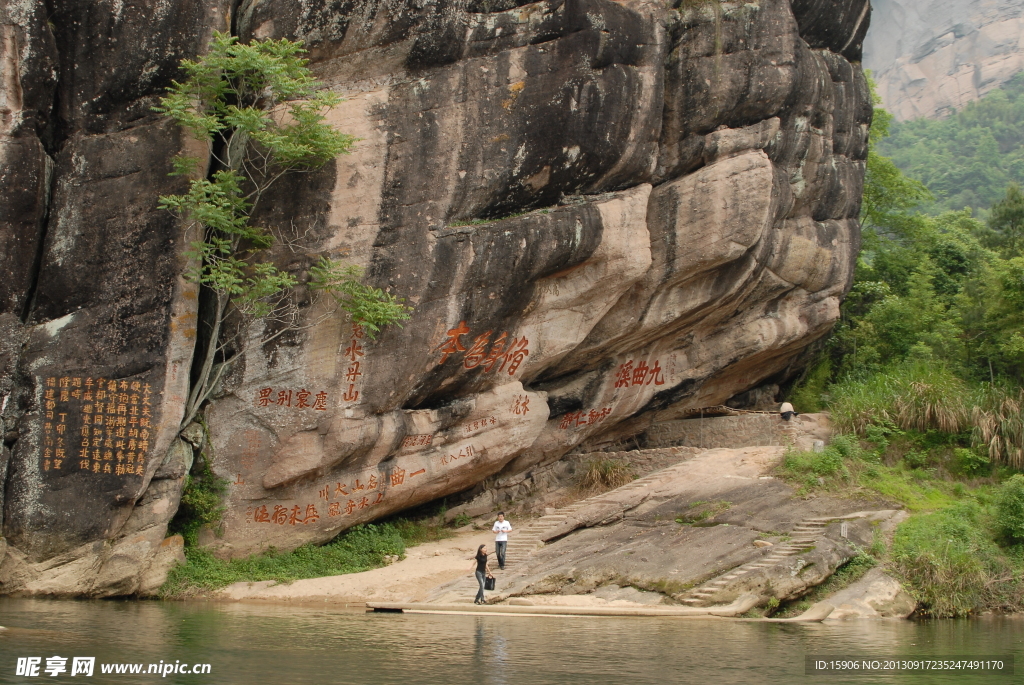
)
(816, 613)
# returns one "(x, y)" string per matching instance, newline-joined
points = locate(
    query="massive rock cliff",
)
(604, 214)
(931, 57)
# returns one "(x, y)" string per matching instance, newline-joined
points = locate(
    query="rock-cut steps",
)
(804, 536)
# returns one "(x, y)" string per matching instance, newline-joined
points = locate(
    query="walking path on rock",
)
(596, 509)
(720, 464)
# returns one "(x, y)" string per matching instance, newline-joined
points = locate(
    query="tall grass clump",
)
(915, 397)
(605, 474)
(998, 426)
(922, 398)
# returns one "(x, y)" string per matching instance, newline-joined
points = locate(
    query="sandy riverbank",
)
(425, 567)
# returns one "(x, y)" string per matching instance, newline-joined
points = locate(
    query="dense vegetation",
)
(923, 373)
(966, 160)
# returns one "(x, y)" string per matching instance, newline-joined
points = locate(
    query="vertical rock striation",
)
(96, 348)
(604, 214)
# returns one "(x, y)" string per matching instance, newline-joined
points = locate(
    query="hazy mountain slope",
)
(930, 57)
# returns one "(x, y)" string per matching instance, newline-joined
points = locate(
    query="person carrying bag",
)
(483, 574)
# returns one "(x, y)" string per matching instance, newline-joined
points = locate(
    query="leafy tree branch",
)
(261, 115)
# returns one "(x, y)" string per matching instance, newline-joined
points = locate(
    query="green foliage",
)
(1010, 509)
(943, 291)
(807, 467)
(887, 191)
(967, 159)
(844, 576)
(702, 510)
(948, 559)
(1007, 223)
(808, 395)
(970, 463)
(261, 115)
(261, 94)
(369, 307)
(201, 501)
(359, 549)
(893, 468)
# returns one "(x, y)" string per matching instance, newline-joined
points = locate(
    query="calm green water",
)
(280, 645)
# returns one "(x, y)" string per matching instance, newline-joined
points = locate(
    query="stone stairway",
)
(804, 536)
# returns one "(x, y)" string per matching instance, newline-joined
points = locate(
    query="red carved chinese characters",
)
(476, 354)
(353, 373)
(341, 498)
(452, 345)
(464, 453)
(515, 355)
(291, 399)
(479, 424)
(629, 375)
(520, 404)
(499, 355)
(575, 419)
(417, 440)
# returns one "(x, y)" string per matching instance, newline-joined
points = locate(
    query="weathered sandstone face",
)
(603, 213)
(932, 57)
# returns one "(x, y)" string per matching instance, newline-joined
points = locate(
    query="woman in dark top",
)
(482, 570)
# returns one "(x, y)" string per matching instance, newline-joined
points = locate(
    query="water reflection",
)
(281, 645)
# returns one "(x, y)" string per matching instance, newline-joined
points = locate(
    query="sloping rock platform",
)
(684, 534)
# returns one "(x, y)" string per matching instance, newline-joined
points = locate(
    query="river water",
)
(261, 644)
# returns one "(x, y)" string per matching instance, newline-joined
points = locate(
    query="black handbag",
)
(489, 583)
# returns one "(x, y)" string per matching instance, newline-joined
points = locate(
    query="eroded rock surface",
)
(602, 213)
(704, 531)
(875, 595)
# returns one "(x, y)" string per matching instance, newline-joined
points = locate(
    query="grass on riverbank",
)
(960, 552)
(360, 549)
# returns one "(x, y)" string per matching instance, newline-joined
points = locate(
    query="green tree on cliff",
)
(261, 116)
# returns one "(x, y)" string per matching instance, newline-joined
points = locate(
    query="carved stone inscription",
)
(96, 425)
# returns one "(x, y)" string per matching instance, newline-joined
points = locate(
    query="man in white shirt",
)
(502, 528)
